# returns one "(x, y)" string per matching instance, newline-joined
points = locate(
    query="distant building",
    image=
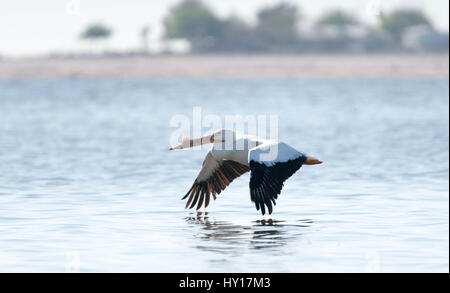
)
(343, 38)
(175, 46)
(423, 38)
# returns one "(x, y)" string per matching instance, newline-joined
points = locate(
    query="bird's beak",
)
(189, 143)
(312, 161)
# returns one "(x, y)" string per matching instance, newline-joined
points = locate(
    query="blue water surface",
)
(87, 183)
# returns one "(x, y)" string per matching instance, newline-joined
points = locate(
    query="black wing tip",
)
(263, 209)
(198, 195)
(266, 182)
(189, 192)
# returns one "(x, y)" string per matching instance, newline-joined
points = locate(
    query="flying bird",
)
(270, 163)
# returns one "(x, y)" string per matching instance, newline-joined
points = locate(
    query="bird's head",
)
(219, 136)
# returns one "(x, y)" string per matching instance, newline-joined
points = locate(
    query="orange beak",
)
(312, 161)
(189, 143)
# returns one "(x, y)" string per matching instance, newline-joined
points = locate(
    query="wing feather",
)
(267, 176)
(212, 179)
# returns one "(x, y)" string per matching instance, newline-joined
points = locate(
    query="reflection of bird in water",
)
(262, 234)
(270, 164)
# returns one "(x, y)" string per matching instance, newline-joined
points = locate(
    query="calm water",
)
(87, 183)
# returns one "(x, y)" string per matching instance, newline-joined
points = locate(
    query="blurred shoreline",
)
(231, 66)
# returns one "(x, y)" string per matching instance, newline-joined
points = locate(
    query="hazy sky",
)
(36, 27)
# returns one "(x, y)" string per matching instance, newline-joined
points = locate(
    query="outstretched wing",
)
(271, 164)
(214, 177)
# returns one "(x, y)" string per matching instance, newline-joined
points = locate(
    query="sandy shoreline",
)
(232, 66)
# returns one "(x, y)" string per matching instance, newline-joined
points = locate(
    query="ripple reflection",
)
(228, 238)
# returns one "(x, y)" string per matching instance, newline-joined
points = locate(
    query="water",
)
(87, 183)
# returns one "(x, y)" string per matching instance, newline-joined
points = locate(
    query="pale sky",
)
(39, 27)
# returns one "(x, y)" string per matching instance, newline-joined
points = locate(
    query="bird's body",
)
(237, 152)
(270, 163)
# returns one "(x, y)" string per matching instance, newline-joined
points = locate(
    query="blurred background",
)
(77, 27)
(88, 90)
(54, 33)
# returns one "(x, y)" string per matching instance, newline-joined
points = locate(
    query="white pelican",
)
(232, 155)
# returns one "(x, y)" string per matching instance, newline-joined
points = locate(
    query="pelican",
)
(270, 163)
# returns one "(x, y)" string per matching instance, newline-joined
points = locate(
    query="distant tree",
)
(396, 22)
(277, 26)
(96, 32)
(337, 18)
(238, 36)
(333, 32)
(194, 21)
(276, 29)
